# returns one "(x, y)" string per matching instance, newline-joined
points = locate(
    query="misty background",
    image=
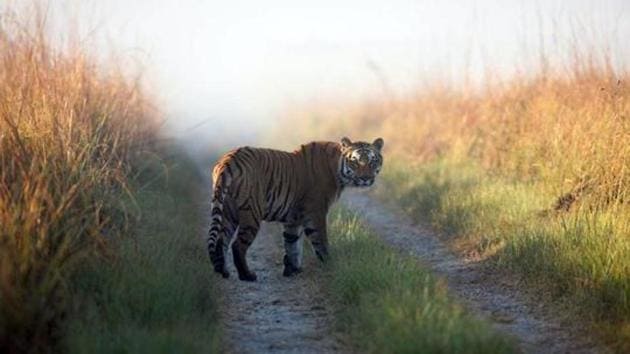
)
(223, 70)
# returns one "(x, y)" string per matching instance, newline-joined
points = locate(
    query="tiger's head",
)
(360, 162)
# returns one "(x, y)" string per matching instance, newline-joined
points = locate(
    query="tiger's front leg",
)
(315, 230)
(293, 249)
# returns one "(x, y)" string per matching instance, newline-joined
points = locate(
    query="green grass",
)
(154, 294)
(388, 303)
(580, 257)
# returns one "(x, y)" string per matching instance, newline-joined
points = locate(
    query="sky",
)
(227, 68)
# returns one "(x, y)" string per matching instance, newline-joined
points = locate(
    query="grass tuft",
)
(389, 303)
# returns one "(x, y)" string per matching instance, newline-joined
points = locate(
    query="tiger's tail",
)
(216, 232)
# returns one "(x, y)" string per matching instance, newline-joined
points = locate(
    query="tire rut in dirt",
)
(536, 328)
(276, 314)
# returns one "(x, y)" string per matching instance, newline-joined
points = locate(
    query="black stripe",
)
(247, 229)
(247, 201)
(290, 238)
(249, 156)
(267, 165)
(237, 188)
(246, 207)
(309, 231)
(285, 204)
(277, 190)
(232, 215)
(228, 167)
(268, 187)
(237, 165)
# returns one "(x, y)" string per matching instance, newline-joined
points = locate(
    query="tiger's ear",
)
(378, 143)
(345, 142)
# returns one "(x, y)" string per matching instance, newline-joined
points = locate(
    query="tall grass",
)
(569, 128)
(70, 132)
(155, 295)
(532, 174)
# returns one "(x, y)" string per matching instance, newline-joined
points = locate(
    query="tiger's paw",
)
(290, 270)
(322, 256)
(221, 270)
(251, 276)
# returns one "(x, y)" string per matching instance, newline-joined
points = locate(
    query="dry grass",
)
(69, 133)
(533, 173)
(570, 128)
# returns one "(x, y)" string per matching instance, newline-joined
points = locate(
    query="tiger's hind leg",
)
(293, 249)
(247, 229)
(218, 259)
(222, 248)
(216, 247)
(223, 227)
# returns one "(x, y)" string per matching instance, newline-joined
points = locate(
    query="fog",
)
(224, 69)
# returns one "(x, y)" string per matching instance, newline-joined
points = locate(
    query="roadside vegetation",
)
(154, 294)
(530, 175)
(388, 303)
(87, 224)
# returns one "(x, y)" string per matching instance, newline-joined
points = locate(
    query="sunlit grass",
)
(581, 256)
(531, 172)
(388, 303)
(71, 134)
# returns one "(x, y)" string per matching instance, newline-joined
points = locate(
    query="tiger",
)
(251, 185)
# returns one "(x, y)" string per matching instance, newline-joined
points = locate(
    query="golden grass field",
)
(531, 174)
(97, 209)
(70, 133)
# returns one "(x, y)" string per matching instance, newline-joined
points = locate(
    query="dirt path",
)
(276, 314)
(535, 327)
